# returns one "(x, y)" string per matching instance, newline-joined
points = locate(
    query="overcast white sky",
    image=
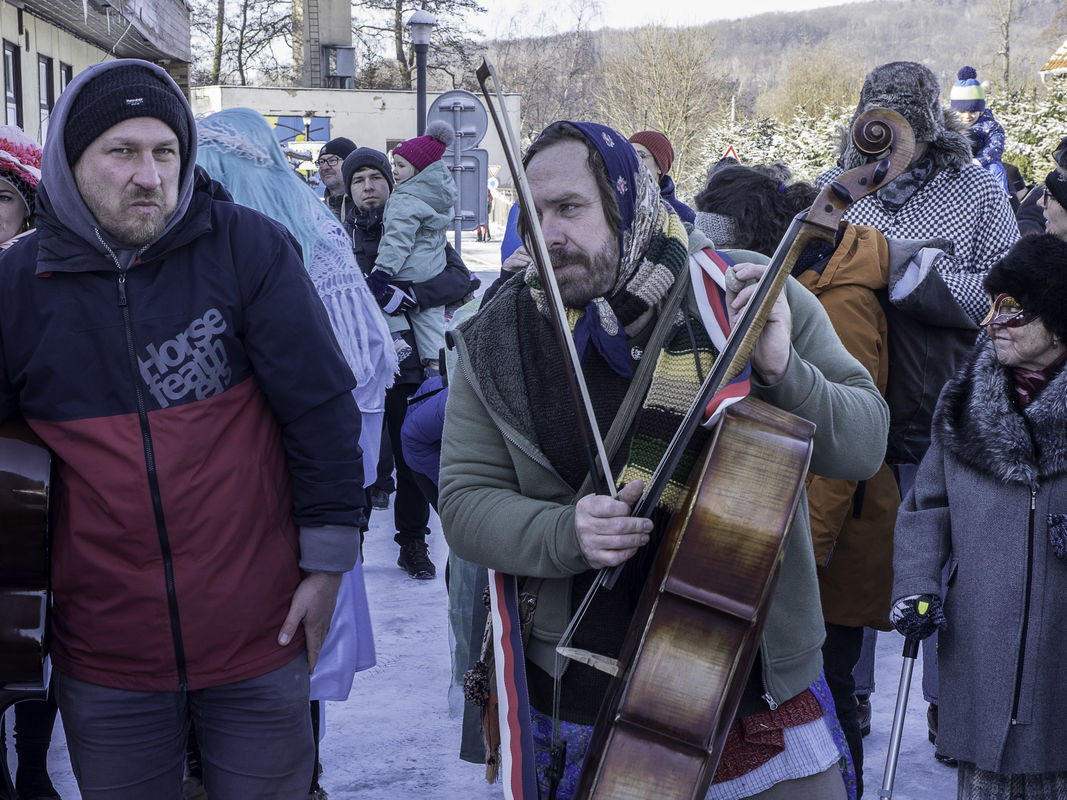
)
(631, 13)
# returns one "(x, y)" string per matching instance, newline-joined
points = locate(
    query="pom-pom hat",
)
(1034, 272)
(423, 150)
(20, 164)
(967, 93)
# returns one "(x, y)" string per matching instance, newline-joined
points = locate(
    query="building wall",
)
(38, 38)
(377, 119)
(154, 29)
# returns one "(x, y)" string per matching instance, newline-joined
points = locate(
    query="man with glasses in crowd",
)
(331, 157)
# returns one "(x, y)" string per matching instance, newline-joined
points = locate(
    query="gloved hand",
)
(918, 616)
(390, 297)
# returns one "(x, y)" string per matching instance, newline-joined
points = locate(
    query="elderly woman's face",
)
(1055, 215)
(1026, 346)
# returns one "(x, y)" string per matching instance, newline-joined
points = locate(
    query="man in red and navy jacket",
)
(169, 348)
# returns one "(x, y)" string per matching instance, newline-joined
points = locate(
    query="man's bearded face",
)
(583, 246)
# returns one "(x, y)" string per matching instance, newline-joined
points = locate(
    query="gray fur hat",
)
(913, 91)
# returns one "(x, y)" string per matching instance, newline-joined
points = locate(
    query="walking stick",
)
(911, 650)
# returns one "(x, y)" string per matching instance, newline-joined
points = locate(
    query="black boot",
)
(34, 720)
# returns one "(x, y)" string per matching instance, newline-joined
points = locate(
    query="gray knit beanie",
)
(365, 157)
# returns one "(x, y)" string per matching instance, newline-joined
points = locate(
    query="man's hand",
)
(607, 534)
(517, 261)
(312, 604)
(770, 357)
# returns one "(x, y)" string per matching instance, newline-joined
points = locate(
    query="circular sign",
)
(465, 113)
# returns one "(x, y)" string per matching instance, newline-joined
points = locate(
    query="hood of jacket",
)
(860, 259)
(61, 211)
(980, 424)
(433, 186)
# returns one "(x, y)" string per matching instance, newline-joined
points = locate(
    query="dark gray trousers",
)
(255, 737)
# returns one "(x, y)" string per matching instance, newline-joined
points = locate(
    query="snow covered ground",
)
(394, 738)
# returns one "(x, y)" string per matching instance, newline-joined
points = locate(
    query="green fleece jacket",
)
(503, 505)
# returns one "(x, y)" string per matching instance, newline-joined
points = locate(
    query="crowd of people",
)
(233, 374)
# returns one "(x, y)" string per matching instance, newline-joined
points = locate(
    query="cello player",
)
(509, 468)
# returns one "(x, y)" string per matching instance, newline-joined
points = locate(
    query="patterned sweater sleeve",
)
(991, 134)
(993, 232)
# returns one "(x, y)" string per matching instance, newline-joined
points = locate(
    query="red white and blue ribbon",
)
(516, 737)
(707, 270)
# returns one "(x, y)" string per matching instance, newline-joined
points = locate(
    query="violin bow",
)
(592, 442)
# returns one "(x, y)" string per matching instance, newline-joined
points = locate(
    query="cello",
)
(25, 488)
(695, 634)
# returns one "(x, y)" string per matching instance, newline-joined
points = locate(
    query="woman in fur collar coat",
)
(990, 501)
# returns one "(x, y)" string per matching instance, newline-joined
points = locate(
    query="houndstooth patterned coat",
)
(962, 205)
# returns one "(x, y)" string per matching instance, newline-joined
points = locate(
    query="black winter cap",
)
(1034, 272)
(340, 147)
(365, 157)
(117, 95)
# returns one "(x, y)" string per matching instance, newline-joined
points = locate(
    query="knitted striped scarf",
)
(685, 357)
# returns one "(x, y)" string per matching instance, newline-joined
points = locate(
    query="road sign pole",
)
(469, 119)
(457, 165)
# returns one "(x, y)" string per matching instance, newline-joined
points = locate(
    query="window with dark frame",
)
(46, 91)
(66, 75)
(12, 84)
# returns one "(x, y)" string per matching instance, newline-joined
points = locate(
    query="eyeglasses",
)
(328, 161)
(1005, 311)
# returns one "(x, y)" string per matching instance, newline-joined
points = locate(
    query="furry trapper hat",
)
(423, 150)
(913, 91)
(1034, 272)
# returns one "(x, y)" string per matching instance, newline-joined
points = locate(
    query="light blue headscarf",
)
(238, 149)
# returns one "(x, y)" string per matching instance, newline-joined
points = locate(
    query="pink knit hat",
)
(422, 151)
(20, 163)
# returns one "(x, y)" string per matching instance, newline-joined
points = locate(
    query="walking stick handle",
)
(911, 649)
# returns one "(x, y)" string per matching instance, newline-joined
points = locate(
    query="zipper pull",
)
(770, 701)
(1033, 499)
(122, 289)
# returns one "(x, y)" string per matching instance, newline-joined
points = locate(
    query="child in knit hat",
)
(417, 215)
(20, 170)
(967, 98)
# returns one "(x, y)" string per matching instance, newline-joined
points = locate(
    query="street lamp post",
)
(306, 119)
(421, 23)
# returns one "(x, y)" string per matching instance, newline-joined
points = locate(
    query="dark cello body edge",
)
(622, 738)
(25, 495)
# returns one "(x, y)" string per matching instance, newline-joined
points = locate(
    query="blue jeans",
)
(255, 737)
